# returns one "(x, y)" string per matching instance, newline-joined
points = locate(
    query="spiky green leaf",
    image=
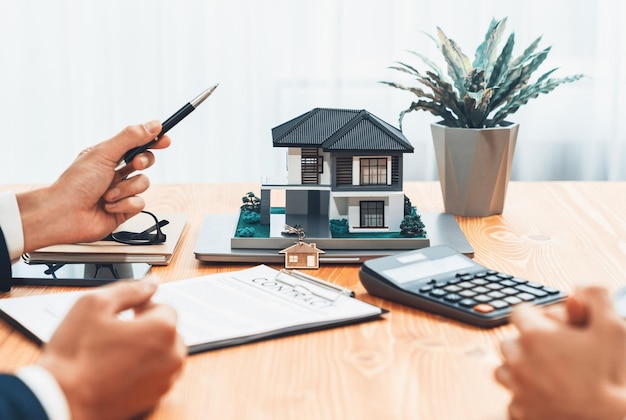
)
(458, 63)
(486, 53)
(501, 66)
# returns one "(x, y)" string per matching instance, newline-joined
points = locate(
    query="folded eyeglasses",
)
(146, 237)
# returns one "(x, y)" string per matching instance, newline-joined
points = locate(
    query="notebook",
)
(219, 310)
(114, 252)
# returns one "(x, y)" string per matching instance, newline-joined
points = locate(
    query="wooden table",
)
(411, 365)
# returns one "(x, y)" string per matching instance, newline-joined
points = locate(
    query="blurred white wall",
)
(75, 72)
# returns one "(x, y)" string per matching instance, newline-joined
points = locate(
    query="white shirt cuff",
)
(11, 223)
(47, 390)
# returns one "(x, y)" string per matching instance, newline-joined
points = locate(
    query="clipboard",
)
(220, 310)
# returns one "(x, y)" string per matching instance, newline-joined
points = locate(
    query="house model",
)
(341, 164)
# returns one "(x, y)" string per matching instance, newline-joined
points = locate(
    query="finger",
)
(156, 312)
(557, 313)
(141, 161)
(129, 205)
(577, 311)
(504, 377)
(127, 188)
(510, 349)
(529, 317)
(128, 295)
(162, 143)
(597, 302)
(516, 412)
(130, 137)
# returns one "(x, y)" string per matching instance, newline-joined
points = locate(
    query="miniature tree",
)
(408, 206)
(251, 203)
(412, 225)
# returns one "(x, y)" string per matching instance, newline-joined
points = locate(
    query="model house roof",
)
(302, 248)
(341, 130)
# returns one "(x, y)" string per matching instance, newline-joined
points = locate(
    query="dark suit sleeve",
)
(17, 401)
(6, 276)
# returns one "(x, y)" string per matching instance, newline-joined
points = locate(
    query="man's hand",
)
(570, 364)
(111, 368)
(90, 199)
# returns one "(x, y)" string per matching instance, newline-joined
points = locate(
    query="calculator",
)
(443, 281)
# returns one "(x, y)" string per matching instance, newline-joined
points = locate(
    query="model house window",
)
(343, 170)
(372, 214)
(311, 165)
(373, 171)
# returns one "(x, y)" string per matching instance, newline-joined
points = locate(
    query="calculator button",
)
(452, 297)
(551, 290)
(438, 292)
(526, 296)
(498, 304)
(535, 285)
(483, 308)
(493, 278)
(512, 300)
(531, 290)
(468, 303)
(453, 281)
(481, 289)
(425, 289)
(494, 286)
(482, 298)
(504, 276)
(496, 295)
(508, 283)
(466, 285)
(461, 274)
(479, 282)
(509, 291)
(466, 277)
(520, 281)
(453, 288)
(467, 293)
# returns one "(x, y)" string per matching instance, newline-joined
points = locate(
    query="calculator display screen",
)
(427, 268)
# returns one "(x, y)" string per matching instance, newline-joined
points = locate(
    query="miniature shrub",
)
(246, 232)
(339, 227)
(250, 217)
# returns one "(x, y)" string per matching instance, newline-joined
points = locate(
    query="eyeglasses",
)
(141, 238)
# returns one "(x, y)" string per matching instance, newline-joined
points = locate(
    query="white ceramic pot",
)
(474, 166)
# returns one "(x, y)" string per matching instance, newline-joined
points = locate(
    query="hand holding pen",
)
(167, 125)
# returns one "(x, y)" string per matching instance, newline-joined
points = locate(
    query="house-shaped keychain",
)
(301, 254)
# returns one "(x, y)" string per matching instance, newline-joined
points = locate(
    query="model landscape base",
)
(217, 232)
(316, 230)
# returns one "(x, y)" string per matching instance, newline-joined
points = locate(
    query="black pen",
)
(167, 126)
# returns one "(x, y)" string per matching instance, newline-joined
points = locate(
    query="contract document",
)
(218, 310)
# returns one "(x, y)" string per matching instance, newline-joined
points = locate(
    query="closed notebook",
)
(114, 252)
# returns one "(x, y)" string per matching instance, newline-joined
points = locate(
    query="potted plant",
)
(474, 142)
